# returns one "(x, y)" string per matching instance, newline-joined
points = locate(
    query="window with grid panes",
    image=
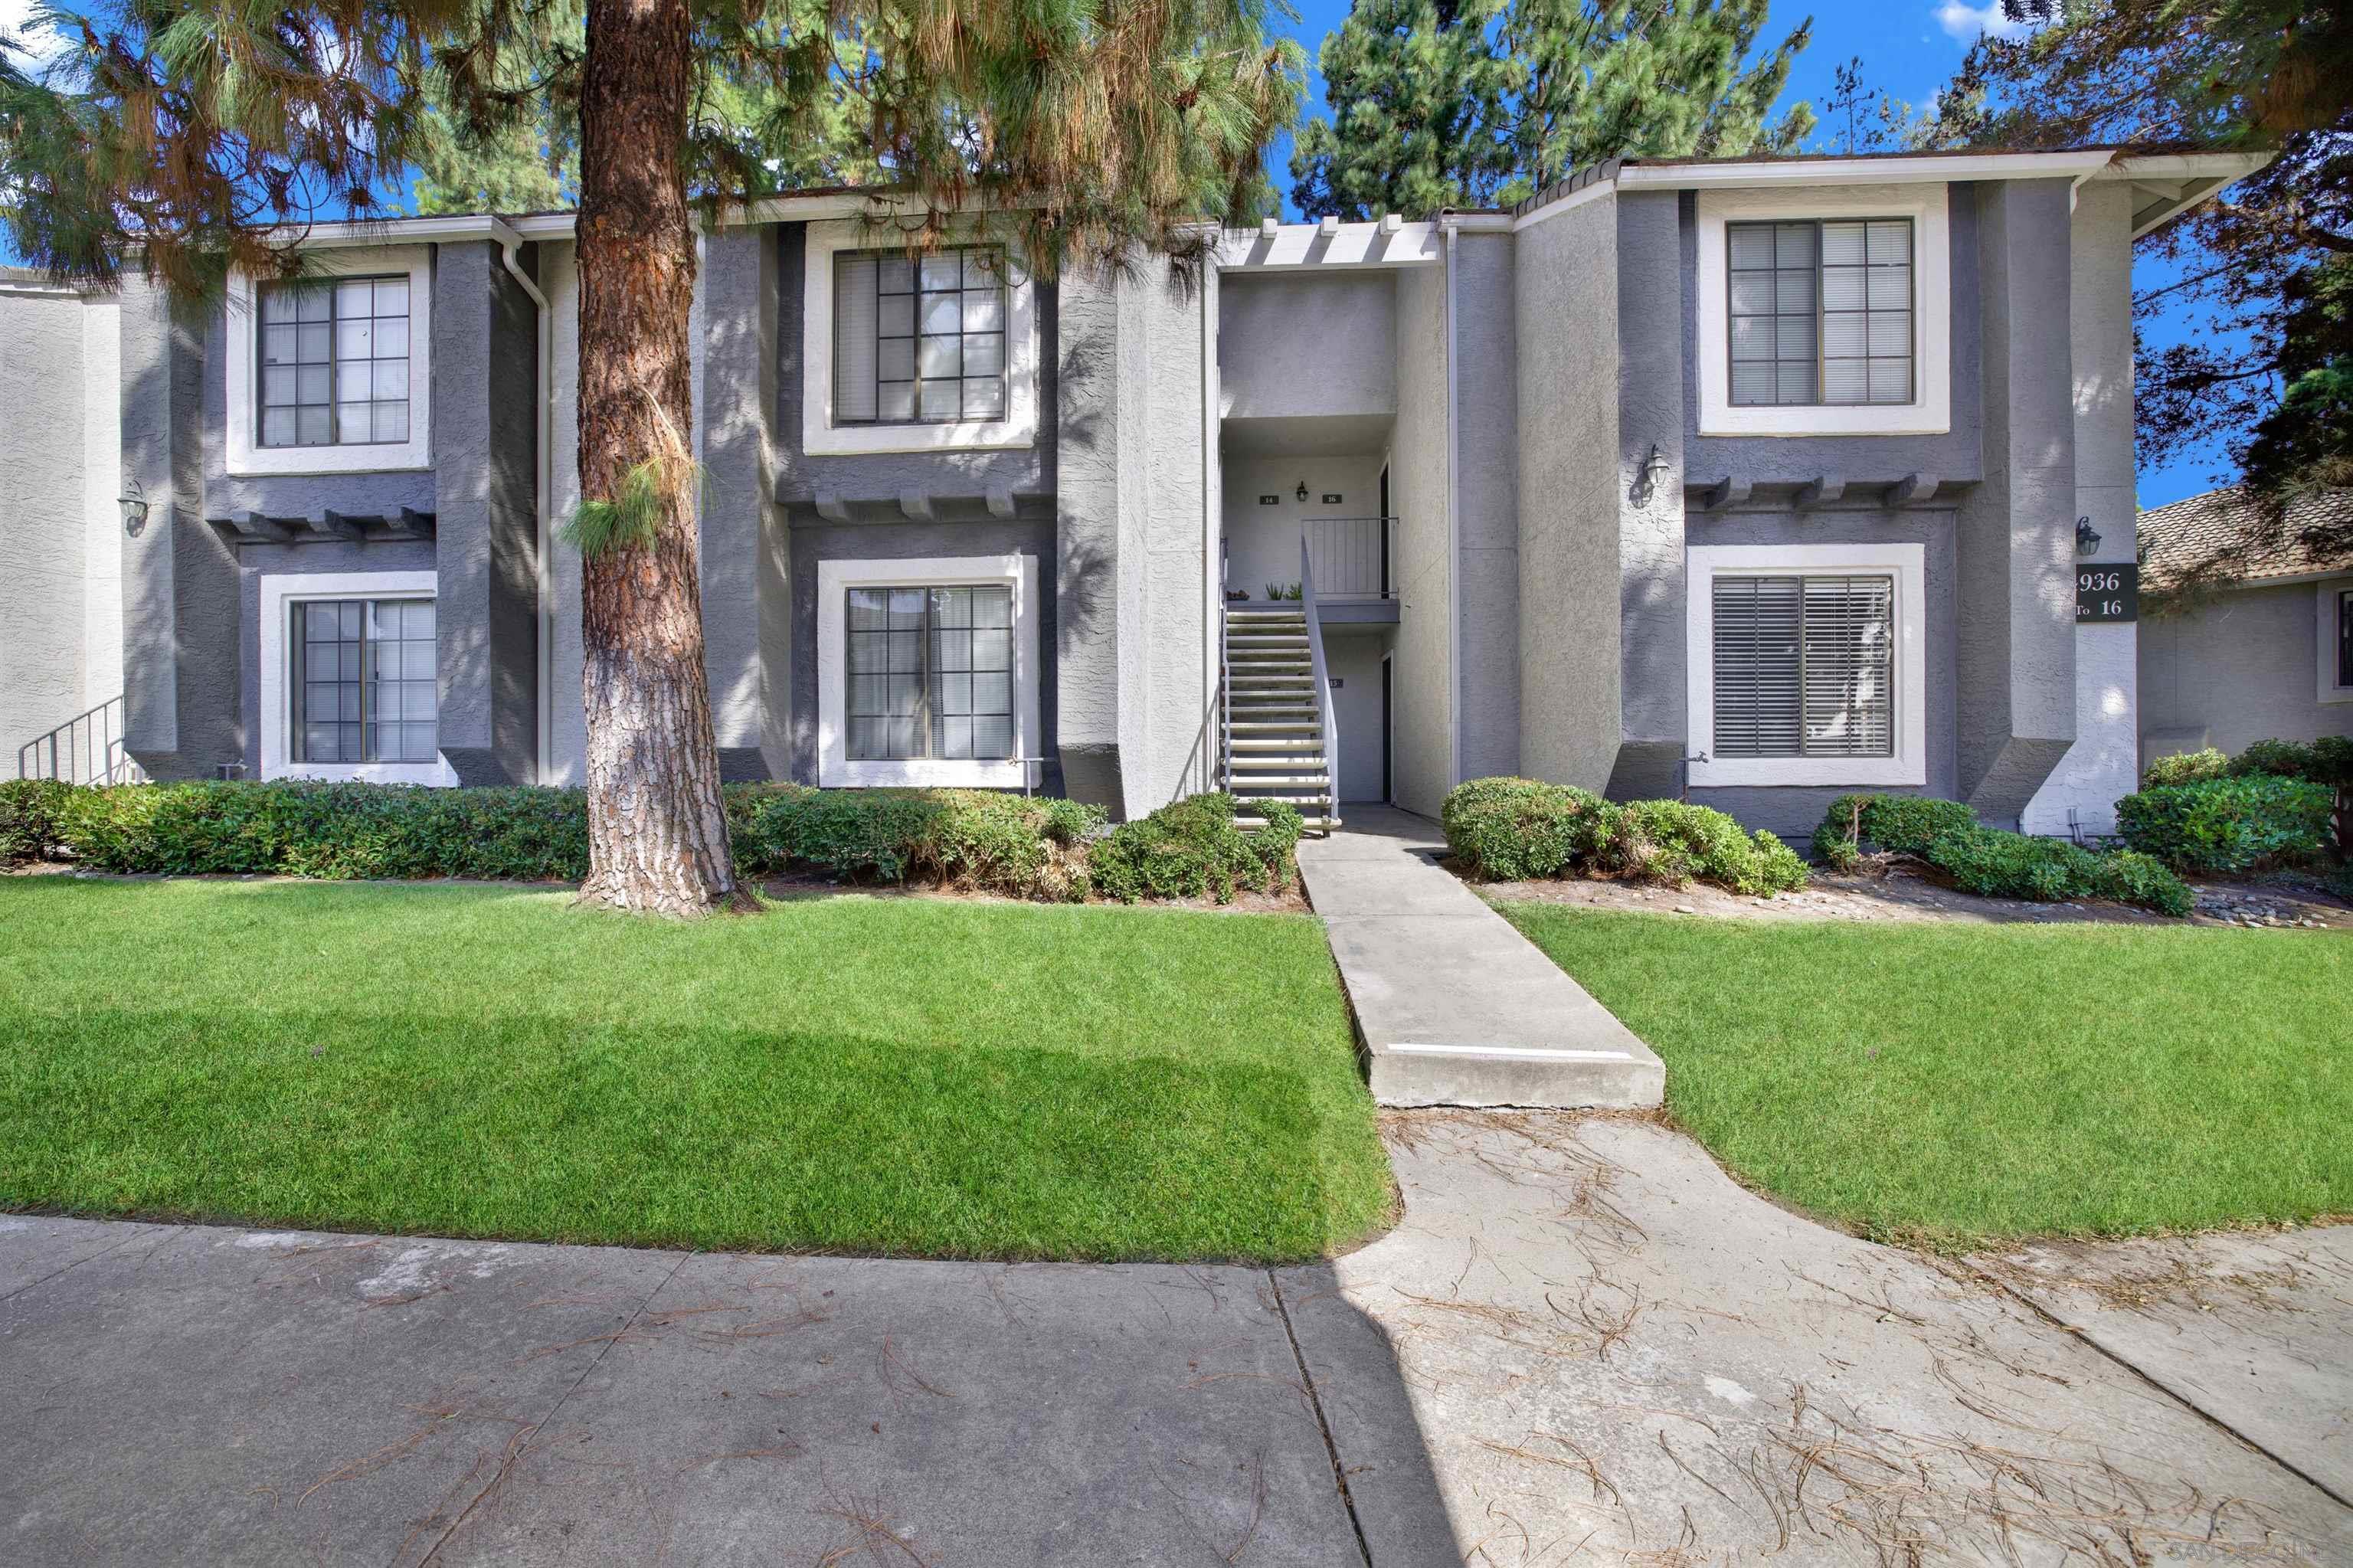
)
(1820, 313)
(1804, 666)
(364, 681)
(334, 363)
(931, 673)
(919, 339)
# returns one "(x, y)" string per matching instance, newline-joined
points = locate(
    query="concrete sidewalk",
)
(1453, 1005)
(1583, 1343)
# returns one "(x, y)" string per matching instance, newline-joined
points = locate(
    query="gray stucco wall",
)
(2015, 532)
(1423, 679)
(485, 446)
(1793, 812)
(182, 631)
(2244, 667)
(1566, 287)
(1307, 347)
(1486, 483)
(1657, 395)
(736, 410)
(44, 545)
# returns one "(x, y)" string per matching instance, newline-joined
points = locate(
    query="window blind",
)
(1820, 313)
(931, 673)
(1804, 666)
(853, 337)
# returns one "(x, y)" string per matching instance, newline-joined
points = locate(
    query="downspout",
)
(544, 378)
(1213, 599)
(1453, 537)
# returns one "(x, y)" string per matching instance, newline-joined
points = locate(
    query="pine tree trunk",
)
(656, 832)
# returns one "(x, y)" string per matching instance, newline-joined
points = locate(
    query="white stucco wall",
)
(1353, 658)
(2103, 765)
(568, 749)
(1314, 347)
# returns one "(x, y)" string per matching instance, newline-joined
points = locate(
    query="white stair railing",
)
(1327, 721)
(88, 748)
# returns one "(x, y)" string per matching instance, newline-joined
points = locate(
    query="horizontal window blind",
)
(1804, 666)
(1820, 313)
(920, 340)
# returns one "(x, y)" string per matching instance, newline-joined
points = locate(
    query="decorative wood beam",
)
(330, 524)
(832, 507)
(1724, 493)
(1910, 488)
(1822, 492)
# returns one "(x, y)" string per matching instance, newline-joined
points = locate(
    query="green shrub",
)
(2229, 824)
(1512, 830)
(2186, 767)
(29, 817)
(1675, 843)
(1027, 847)
(1987, 860)
(2328, 760)
(1191, 849)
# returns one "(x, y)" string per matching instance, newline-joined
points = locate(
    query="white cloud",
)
(1962, 21)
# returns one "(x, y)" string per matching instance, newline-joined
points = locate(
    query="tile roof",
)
(2220, 537)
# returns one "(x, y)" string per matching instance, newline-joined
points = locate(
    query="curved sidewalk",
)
(1453, 1005)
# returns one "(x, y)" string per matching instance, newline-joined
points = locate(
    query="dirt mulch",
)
(1895, 893)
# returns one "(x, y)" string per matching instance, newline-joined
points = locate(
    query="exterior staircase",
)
(1276, 715)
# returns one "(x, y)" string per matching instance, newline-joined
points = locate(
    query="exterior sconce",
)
(133, 501)
(2088, 538)
(1655, 467)
(1301, 491)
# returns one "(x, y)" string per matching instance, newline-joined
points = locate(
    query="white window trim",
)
(2326, 608)
(1931, 410)
(247, 455)
(1906, 564)
(834, 581)
(821, 437)
(281, 591)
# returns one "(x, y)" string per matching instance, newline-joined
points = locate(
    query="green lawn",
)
(878, 1075)
(1949, 1083)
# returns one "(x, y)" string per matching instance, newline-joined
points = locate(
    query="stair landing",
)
(1453, 1005)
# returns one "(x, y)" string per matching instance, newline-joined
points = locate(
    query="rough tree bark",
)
(656, 832)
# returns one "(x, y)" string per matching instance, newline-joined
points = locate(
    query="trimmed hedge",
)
(1988, 861)
(1191, 849)
(2187, 767)
(1037, 847)
(1512, 829)
(2229, 824)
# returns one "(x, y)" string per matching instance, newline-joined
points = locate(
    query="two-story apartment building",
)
(1759, 479)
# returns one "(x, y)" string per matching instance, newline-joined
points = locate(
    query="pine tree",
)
(200, 136)
(1481, 102)
(2267, 271)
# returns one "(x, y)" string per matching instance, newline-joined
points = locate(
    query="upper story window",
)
(332, 372)
(934, 352)
(334, 363)
(919, 339)
(1821, 312)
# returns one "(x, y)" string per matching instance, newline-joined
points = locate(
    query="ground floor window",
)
(1806, 664)
(931, 673)
(364, 682)
(928, 672)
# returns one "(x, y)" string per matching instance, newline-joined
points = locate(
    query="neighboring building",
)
(1760, 477)
(2254, 637)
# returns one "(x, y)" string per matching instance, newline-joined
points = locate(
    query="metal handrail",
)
(1323, 708)
(86, 749)
(1225, 700)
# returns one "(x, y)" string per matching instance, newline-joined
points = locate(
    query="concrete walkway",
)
(1583, 1343)
(1454, 1006)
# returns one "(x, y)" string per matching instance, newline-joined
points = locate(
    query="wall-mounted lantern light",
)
(1302, 491)
(133, 501)
(1647, 478)
(2088, 538)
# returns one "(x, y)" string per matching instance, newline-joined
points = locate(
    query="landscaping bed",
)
(1952, 1083)
(900, 1076)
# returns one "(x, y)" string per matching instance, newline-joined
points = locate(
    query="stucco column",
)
(735, 410)
(485, 452)
(181, 626)
(2014, 539)
(1093, 488)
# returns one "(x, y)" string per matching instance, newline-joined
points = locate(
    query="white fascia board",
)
(1575, 199)
(2183, 165)
(1935, 170)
